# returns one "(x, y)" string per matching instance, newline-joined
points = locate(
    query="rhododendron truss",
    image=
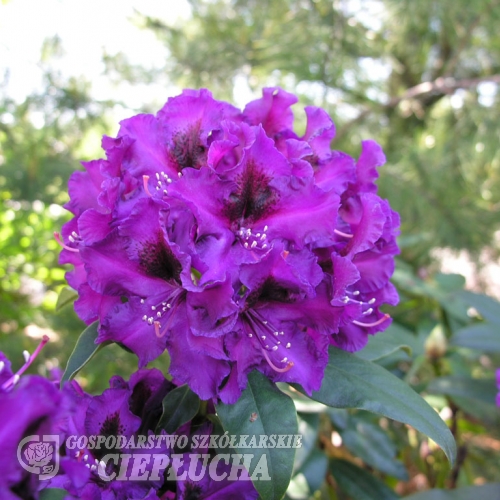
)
(227, 239)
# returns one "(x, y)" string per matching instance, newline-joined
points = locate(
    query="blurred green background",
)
(420, 77)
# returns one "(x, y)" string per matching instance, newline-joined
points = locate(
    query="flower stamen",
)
(288, 366)
(57, 237)
(145, 180)
(375, 323)
(341, 233)
(12, 381)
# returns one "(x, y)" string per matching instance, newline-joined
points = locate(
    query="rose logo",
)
(39, 454)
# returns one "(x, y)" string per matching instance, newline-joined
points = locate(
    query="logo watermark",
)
(40, 455)
(126, 458)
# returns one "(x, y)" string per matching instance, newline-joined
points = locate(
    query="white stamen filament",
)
(274, 367)
(375, 323)
(145, 180)
(57, 237)
(341, 233)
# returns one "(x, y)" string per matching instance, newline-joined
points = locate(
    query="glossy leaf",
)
(451, 302)
(358, 483)
(85, 349)
(351, 382)
(179, 406)
(385, 343)
(263, 410)
(483, 492)
(482, 336)
(308, 429)
(66, 297)
(314, 470)
(450, 282)
(488, 307)
(370, 443)
(53, 494)
(482, 390)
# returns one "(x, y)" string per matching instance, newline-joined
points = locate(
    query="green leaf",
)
(451, 302)
(370, 443)
(53, 494)
(488, 307)
(385, 343)
(450, 282)
(487, 413)
(67, 296)
(482, 336)
(303, 404)
(84, 351)
(358, 483)
(314, 469)
(263, 410)
(179, 406)
(482, 390)
(351, 382)
(308, 429)
(485, 491)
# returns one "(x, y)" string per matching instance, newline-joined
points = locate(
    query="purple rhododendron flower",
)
(29, 406)
(123, 412)
(227, 239)
(130, 460)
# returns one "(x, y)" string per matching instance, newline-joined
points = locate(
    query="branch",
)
(440, 86)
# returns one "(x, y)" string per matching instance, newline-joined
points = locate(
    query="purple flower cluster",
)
(149, 469)
(233, 243)
(115, 469)
(29, 405)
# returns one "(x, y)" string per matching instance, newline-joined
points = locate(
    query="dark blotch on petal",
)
(157, 259)
(253, 198)
(187, 150)
(269, 291)
(192, 492)
(141, 393)
(112, 425)
(313, 160)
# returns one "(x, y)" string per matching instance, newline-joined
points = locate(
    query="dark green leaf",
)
(482, 336)
(303, 404)
(385, 343)
(482, 390)
(351, 382)
(339, 417)
(53, 494)
(308, 429)
(483, 492)
(488, 307)
(314, 469)
(67, 296)
(485, 412)
(263, 410)
(358, 483)
(452, 303)
(179, 406)
(450, 282)
(84, 351)
(370, 443)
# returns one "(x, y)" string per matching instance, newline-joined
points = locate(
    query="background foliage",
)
(422, 79)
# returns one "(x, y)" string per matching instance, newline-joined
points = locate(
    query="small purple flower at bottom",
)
(122, 455)
(30, 405)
